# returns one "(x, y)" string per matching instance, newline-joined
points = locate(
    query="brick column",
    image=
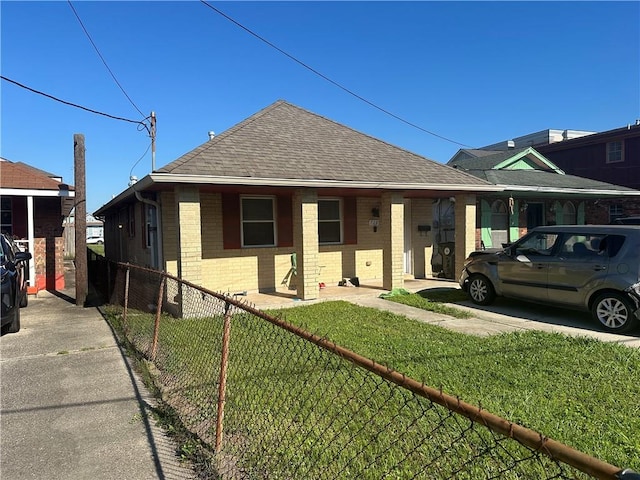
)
(392, 234)
(189, 243)
(465, 229)
(305, 238)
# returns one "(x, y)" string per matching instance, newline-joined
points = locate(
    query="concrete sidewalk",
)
(71, 407)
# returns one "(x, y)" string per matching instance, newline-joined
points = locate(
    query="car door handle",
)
(599, 268)
(540, 266)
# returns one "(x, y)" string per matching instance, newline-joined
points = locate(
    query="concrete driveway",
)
(71, 407)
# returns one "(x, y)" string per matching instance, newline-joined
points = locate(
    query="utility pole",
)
(82, 284)
(153, 141)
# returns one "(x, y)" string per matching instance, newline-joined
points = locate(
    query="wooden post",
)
(222, 385)
(80, 219)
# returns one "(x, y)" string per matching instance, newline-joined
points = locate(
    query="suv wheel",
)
(481, 291)
(14, 326)
(614, 312)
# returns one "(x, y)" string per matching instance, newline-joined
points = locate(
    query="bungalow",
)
(534, 192)
(290, 197)
(34, 204)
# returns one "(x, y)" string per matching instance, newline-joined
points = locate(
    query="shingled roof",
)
(284, 141)
(19, 175)
(550, 178)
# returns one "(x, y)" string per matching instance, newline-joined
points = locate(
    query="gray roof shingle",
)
(284, 141)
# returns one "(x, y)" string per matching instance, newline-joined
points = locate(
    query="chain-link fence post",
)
(222, 385)
(156, 325)
(126, 299)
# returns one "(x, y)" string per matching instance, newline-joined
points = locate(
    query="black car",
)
(14, 285)
(626, 221)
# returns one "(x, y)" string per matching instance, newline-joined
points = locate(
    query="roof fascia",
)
(161, 178)
(181, 179)
(585, 191)
(25, 192)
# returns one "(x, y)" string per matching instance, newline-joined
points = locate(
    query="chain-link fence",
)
(274, 401)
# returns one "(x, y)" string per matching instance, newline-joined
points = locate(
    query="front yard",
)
(578, 391)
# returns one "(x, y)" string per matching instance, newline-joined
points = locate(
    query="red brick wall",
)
(49, 244)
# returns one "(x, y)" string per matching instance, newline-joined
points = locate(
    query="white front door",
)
(408, 264)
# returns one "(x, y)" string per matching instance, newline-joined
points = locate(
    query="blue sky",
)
(473, 72)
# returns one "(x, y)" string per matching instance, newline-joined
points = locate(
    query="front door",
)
(535, 215)
(408, 264)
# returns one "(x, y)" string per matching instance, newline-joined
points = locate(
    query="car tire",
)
(24, 300)
(99, 242)
(614, 312)
(480, 290)
(14, 326)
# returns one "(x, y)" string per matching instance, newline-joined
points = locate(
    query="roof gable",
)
(284, 141)
(518, 159)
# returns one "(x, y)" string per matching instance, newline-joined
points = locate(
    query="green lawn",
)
(433, 300)
(98, 249)
(295, 411)
(579, 391)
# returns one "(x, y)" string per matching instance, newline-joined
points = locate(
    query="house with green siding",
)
(533, 191)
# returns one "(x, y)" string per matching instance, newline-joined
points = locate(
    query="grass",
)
(433, 300)
(97, 249)
(293, 409)
(578, 391)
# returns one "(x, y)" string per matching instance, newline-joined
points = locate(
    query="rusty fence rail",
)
(272, 400)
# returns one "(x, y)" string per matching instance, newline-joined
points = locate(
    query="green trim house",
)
(533, 192)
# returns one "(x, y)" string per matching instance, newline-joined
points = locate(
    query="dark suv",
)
(588, 267)
(14, 285)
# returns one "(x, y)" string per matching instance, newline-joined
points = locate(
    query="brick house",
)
(288, 189)
(34, 205)
(534, 192)
(612, 156)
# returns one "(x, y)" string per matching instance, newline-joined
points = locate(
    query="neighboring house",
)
(34, 204)
(534, 192)
(612, 156)
(95, 227)
(290, 196)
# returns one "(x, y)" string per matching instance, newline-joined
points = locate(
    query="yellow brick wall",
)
(263, 269)
(465, 215)
(169, 233)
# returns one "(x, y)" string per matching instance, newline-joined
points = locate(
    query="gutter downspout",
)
(156, 205)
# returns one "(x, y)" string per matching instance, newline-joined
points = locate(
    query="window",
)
(329, 221)
(540, 244)
(615, 211)
(569, 214)
(6, 216)
(615, 152)
(132, 220)
(258, 222)
(151, 225)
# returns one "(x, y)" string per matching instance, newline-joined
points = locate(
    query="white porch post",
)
(31, 240)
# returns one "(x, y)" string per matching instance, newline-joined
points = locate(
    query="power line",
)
(102, 58)
(321, 75)
(73, 104)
